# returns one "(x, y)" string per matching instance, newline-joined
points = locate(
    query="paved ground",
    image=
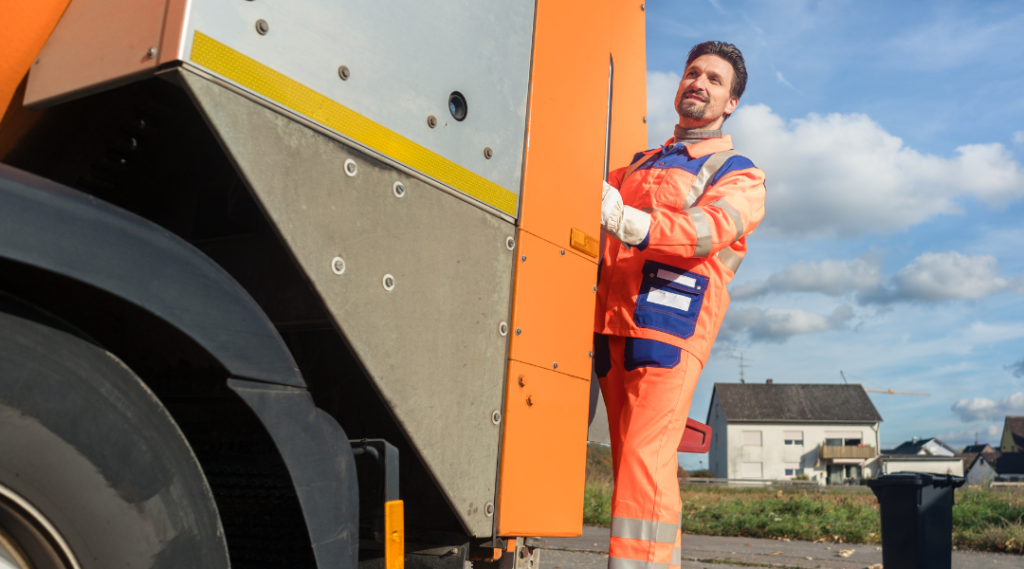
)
(591, 552)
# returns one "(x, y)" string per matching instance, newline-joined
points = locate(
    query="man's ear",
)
(731, 105)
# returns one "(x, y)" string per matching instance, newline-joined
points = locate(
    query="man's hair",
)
(728, 52)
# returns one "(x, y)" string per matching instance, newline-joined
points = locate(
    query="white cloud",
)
(931, 277)
(844, 175)
(780, 324)
(938, 277)
(831, 277)
(778, 75)
(661, 112)
(981, 408)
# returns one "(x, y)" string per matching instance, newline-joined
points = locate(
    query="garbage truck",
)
(302, 283)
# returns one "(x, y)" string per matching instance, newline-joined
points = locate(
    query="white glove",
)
(625, 223)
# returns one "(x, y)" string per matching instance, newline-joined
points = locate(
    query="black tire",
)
(89, 449)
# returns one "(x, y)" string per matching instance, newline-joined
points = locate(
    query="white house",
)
(922, 455)
(779, 431)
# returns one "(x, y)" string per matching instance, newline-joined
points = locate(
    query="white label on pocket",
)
(679, 279)
(668, 298)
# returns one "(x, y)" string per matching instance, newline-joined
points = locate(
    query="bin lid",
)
(918, 479)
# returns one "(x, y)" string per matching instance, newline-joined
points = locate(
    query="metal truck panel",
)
(97, 44)
(417, 281)
(23, 31)
(403, 60)
(543, 453)
(554, 300)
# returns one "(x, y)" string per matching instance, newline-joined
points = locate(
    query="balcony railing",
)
(826, 452)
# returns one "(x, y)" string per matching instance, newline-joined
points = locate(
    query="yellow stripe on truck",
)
(296, 97)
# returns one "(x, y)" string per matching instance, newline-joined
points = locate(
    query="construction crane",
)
(887, 391)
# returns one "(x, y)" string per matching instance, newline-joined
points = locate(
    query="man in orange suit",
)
(677, 220)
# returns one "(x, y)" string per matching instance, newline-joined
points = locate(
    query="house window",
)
(751, 438)
(751, 470)
(793, 437)
(793, 468)
(842, 438)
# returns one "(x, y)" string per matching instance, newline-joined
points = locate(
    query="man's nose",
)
(700, 84)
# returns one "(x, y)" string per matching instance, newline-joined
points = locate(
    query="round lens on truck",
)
(457, 105)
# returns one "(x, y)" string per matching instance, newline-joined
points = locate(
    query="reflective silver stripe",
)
(645, 530)
(619, 563)
(706, 173)
(737, 220)
(700, 223)
(730, 259)
(677, 556)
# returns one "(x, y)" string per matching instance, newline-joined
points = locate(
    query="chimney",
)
(768, 381)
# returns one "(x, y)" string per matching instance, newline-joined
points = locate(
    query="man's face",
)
(703, 96)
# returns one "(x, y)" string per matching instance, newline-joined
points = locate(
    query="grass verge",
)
(983, 520)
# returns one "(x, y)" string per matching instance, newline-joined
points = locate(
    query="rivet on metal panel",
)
(645, 120)
(595, 288)
(522, 381)
(399, 189)
(338, 265)
(510, 243)
(431, 121)
(503, 329)
(488, 152)
(642, 9)
(151, 53)
(262, 27)
(489, 509)
(350, 167)
(496, 417)
(388, 282)
(519, 331)
(561, 252)
(529, 400)
(343, 72)
(590, 354)
(523, 258)
(554, 365)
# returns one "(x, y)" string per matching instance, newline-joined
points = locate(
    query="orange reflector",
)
(394, 535)
(584, 243)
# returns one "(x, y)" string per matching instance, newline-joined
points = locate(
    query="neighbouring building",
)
(1010, 467)
(978, 462)
(922, 455)
(778, 431)
(1013, 435)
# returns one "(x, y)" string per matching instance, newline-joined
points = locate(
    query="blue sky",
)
(892, 135)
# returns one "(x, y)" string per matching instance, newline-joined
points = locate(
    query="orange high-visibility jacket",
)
(704, 200)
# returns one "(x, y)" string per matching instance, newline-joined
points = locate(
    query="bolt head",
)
(529, 401)
(645, 120)
(488, 153)
(431, 121)
(262, 27)
(519, 331)
(561, 252)
(554, 365)
(343, 72)
(522, 381)
(590, 354)
(595, 288)
(523, 258)
(151, 53)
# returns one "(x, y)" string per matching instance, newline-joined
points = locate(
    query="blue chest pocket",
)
(670, 299)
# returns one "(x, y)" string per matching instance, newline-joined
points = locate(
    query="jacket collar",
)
(702, 148)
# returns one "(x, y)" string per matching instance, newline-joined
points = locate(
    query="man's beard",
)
(691, 110)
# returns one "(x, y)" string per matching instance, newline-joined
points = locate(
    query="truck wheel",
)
(94, 473)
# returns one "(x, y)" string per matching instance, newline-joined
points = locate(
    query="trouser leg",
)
(651, 421)
(613, 391)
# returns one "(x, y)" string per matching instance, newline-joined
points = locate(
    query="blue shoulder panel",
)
(732, 165)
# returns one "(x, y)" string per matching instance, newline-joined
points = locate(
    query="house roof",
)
(916, 446)
(1010, 463)
(1016, 427)
(795, 403)
(970, 454)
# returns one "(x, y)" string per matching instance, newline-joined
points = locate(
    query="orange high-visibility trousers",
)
(647, 390)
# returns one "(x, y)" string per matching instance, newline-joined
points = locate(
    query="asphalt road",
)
(591, 552)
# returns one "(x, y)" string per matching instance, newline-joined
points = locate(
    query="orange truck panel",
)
(554, 308)
(543, 461)
(24, 28)
(545, 450)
